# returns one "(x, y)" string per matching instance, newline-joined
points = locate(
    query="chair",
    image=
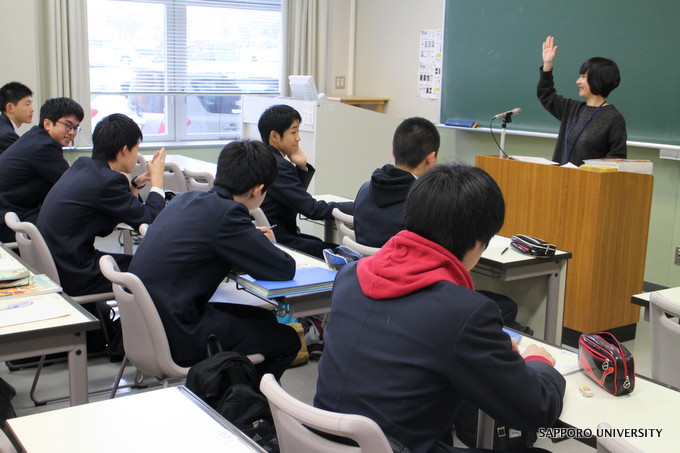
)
(344, 223)
(143, 228)
(35, 253)
(5, 444)
(363, 249)
(199, 180)
(260, 218)
(665, 336)
(614, 444)
(291, 418)
(144, 338)
(173, 178)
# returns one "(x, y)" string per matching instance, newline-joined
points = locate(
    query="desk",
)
(362, 100)
(650, 406)
(63, 334)
(510, 265)
(189, 163)
(168, 420)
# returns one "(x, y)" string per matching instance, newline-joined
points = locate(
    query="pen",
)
(17, 305)
(273, 226)
(505, 250)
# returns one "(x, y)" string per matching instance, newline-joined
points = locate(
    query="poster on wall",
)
(430, 64)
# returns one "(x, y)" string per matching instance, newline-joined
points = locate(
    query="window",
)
(179, 67)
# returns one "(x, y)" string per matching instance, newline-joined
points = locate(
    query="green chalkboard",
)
(492, 52)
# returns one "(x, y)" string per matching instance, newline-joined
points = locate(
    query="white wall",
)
(20, 48)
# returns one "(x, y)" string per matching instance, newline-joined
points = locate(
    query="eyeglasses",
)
(69, 127)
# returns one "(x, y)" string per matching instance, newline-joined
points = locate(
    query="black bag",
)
(607, 362)
(229, 383)
(504, 437)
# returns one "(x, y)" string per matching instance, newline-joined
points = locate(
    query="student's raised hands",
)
(549, 51)
(155, 168)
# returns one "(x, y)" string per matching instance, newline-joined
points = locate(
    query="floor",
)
(299, 381)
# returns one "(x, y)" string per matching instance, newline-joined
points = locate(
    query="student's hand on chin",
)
(299, 158)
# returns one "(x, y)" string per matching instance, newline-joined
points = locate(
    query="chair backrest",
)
(144, 338)
(32, 246)
(199, 180)
(260, 218)
(344, 223)
(173, 178)
(613, 444)
(143, 228)
(665, 335)
(363, 249)
(291, 417)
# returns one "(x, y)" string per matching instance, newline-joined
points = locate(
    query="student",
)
(30, 167)
(588, 130)
(279, 128)
(92, 197)
(16, 105)
(379, 204)
(408, 338)
(196, 242)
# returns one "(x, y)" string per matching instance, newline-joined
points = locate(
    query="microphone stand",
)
(506, 119)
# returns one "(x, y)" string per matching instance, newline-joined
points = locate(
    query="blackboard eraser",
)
(460, 123)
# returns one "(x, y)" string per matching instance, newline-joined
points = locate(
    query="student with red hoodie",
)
(409, 338)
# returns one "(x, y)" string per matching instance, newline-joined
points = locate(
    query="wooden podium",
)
(602, 218)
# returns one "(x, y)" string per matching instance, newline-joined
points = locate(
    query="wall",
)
(20, 49)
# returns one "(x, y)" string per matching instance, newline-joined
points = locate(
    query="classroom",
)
(372, 49)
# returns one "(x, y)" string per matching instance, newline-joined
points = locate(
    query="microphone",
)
(515, 111)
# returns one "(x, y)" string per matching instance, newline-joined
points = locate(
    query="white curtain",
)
(305, 37)
(63, 61)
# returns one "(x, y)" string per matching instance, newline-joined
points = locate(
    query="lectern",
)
(602, 218)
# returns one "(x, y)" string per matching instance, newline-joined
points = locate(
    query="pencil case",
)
(607, 362)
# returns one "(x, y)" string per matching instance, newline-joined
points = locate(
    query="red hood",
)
(406, 264)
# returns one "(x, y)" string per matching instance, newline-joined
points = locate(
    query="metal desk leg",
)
(328, 230)
(551, 306)
(77, 370)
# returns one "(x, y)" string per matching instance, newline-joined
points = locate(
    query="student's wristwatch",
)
(134, 184)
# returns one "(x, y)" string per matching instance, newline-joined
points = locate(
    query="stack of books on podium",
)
(627, 165)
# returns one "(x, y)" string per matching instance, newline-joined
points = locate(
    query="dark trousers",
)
(311, 245)
(278, 343)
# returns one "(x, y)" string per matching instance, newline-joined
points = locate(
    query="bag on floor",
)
(229, 383)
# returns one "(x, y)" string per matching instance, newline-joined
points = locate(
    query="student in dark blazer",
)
(380, 203)
(16, 107)
(279, 128)
(196, 242)
(94, 196)
(30, 167)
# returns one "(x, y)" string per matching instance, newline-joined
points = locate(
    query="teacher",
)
(588, 130)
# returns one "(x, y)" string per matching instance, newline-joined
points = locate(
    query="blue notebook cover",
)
(305, 280)
(514, 335)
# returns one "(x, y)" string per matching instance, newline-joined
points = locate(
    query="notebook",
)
(306, 280)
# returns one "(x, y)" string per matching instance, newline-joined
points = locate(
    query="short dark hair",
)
(455, 206)
(13, 92)
(56, 108)
(413, 140)
(113, 133)
(243, 165)
(277, 118)
(603, 75)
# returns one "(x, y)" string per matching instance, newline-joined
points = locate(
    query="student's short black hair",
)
(455, 206)
(113, 133)
(413, 140)
(13, 92)
(56, 108)
(277, 118)
(603, 75)
(243, 165)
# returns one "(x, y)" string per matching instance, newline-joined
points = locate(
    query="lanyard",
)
(567, 150)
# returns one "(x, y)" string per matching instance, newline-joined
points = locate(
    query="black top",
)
(593, 132)
(7, 133)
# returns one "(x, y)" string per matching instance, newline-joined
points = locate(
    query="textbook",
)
(12, 272)
(38, 284)
(627, 165)
(306, 280)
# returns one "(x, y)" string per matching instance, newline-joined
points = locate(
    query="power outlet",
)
(677, 255)
(339, 82)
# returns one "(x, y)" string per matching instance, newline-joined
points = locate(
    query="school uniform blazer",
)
(28, 170)
(88, 201)
(288, 196)
(187, 252)
(7, 133)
